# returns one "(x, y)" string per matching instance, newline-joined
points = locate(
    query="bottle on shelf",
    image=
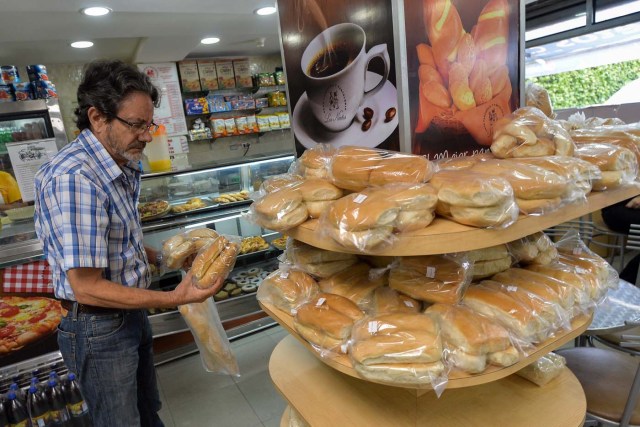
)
(59, 412)
(77, 407)
(4, 420)
(18, 392)
(16, 411)
(37, 407)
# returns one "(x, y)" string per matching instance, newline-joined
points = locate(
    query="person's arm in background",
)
(634, 203)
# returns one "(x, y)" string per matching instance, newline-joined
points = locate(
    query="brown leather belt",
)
(88, 309)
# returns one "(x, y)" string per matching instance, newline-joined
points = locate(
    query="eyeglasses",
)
(139, 128)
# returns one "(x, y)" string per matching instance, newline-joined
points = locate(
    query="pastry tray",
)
(229, 204)
(158, 215)
(209, 206)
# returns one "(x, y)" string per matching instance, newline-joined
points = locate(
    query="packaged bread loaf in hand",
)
(475, 199)
(357, 283)
(215, 261)
(472, 341)
(432, 278)
(488, 261)
(529, 133)
(618, 165)
(399, 349)
(535, 248)
(287, 289)
(326, 321)
(178, 251)
(317, 262)
(315, 162)
(281, 209)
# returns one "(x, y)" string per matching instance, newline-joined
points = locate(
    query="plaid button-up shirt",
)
(86, 215)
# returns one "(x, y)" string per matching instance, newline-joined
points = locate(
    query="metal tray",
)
(209, 206)
(158, 215)
(230, 204)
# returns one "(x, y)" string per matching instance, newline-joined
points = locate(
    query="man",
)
(87, 220)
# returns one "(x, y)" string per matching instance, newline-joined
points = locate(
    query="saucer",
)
(310, 132)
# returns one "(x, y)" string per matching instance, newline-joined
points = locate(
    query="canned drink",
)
(22, 91)
(37, 72)
(6, 93)
(10, 74)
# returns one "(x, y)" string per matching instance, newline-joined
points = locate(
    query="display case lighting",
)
(95, 11)
(82, 44)
(210, 40)
(269, 10)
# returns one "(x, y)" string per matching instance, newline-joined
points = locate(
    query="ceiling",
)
(139, 31)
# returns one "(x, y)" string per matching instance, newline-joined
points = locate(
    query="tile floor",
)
(193, 397)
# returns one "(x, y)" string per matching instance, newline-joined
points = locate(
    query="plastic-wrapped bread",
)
(214, 262)
(621, 135)
(489, 261)
(354, 283)
(280, 210)
(315, 162)
(287, 289)
(536, 248)
(618, 165)
(432, 278)
(475, 199)
(398, 348)
(528, 132)
(537, 96)
(470, 339)
(417, 203)
(318, 262)
(543, 370)
(278, 182)
(401, 168)
(318, 194)
(351, 167)
(387, 300)
(326, 321)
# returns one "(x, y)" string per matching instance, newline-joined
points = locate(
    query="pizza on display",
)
(24, 320)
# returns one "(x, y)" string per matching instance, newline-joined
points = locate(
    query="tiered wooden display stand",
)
(329, 392)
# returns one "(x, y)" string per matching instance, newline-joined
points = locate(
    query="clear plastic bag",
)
(536, 95)
(535, 248)
(177, 249)
(287, 289)
(475, 199)
(400, 349)
(215, 261)
(318, 194)
(618, 165)
(432, 278)
(315, 162)
(622, 135)
(354, 283)
(275, 183)
(279, 210)
(489, 261)
(543, 370)
(528, 132)
(317, 262)
(386, 300)
(211, 339)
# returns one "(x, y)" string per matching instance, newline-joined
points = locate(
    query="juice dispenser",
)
(157, 151)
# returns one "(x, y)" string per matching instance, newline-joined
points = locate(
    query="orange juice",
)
(160, 165)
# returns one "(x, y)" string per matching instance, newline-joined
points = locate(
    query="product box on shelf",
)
(189, 77)
(263, 123)
(262, 102)
(226, 77)
(218, 128)
(241, 125)
(208, 74)
(241, 69)
(284, 119)
(252, 124)
(217, 103)
(196, 106)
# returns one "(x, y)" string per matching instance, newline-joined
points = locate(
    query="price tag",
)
(408, 304)
(360, 198)
(284, 274)
(343, 348)
(294, 311)
(577, 250)
(372, 327)
(320, 301)
(431, 272)
(512, 288)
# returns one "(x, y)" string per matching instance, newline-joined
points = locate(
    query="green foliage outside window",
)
(589, 86)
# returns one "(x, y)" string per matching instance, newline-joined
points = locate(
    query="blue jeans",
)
(112, 355)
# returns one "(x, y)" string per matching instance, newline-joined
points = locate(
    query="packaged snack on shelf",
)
(266, 79)
(218, 127)
(241, 125)
(536, 248)
(208, 74)
(543, 370)
(400, 349)
(354, 283)
(242, 71)
(279, 77)
(537, 96)
(471, 341)
(282, 99)
(196, 106)
(618, 165)
(386, 300)
(189, 77)
(432, 278)
(489, 261)
(279, 210)
(23, 91)
(287, 289)
(527, 132)
(273, 99)
(6, 93)
(230, 126)
(537, 190)
(252, 124)
(216, 103)
(44, 89)
(326, 322)
(318, 194)
(226, 77)
(274, 122)
(283, 118)
(243, 104)
(262, 102)
(315, 162)
(475, 199)
(318, 262)
(263, 123)
(355, 168)
(214, 347)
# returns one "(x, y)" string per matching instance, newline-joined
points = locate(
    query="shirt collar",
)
(105, 163)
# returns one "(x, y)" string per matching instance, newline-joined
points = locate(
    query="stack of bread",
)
(318, 262)
(583, 287)
(315, 162)
(326, 322)
(281, 209)
(528, 132)
(536, 248)
(277, 182)
(398, 348)
(488, 261)
(621, 135)
(431, 278)
(287, 289)
(471, 341)
(317, 195)
(475, 199)
(618, 165)
(355, 283)
(386, 300)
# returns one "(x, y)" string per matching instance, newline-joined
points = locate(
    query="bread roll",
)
(547, 288)
(202, 233)
(488, 261)
(489, 253)
(351, 167)
(353, 283)
(362, 241)
(205, 258)
(401, 373)
(387, 300)
(507, 357)
(566, 274)
(360, 212)
(314, 163)
(534, 249)
(220, 267)
(279, 203)
(401, 168)
(176, 250)
(413, 220)
(471, 189)
(291, 219)
(316, 209)
(326, 320)
(538, 206)
(280, 181)
(313, 190)
(492, 216)
(287, 290)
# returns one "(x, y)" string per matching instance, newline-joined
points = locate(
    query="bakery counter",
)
(325, 397)
(445, 236)
(457, 379)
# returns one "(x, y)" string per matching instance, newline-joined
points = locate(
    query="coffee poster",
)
(338, 59)
(463, 60)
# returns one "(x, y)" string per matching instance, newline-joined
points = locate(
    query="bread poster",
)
(463, 72)
(338, 60)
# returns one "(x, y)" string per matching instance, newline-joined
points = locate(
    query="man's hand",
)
(186, 292)
(634, 203)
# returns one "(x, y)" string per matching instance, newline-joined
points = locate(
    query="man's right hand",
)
(186, 292)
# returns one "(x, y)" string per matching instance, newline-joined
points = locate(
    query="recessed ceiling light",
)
(81, 44)
(210, 40)
(266, 10)
(96, 11)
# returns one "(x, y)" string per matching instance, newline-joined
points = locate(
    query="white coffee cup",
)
(335, 65)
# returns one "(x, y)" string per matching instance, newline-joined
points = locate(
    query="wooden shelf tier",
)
(445, 236)
(324, 397)
(457, 379)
